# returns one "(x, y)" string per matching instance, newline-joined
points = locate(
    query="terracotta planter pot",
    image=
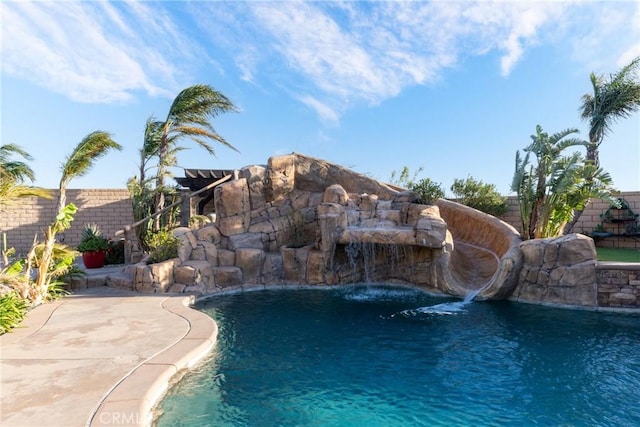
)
(93, 259)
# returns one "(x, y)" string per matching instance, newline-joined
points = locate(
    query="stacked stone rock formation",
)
(559, 271)
(300, 220)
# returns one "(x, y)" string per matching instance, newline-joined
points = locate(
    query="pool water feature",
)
(445, 308)
(344, 357)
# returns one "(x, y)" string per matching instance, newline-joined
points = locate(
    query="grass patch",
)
(618, 254)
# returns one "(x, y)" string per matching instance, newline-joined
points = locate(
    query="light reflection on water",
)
(341, 358)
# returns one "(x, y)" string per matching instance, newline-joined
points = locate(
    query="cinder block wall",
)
(110, 209)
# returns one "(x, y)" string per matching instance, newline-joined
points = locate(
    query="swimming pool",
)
(385, 356)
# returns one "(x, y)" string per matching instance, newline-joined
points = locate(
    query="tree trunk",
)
(568, 228)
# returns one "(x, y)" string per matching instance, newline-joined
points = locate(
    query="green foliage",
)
(550, 190)
(403, 180)
(115, 252)
(524, 186)
(198, 221)
(92, 239)
(163, 245)
(615, 98)
(189, 117)
(13, 175)
(64, 218)
(11, 276)
(480, 196)
(15, 170)
(6, 251)
(142, 199)
(12, 310)
(51, 260)
(92, 147)
(427, 191)
(60, 265)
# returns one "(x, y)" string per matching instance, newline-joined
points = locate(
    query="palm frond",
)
(152, 137)
(195, 103)
(16, 170)
(95, 145)
(11, 193)
(612, 99)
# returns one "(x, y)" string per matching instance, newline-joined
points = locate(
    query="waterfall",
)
(368, 250)
(387, 257)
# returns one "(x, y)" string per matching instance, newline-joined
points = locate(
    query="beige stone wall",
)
(618, 285)
(111, 209)
(589, 220)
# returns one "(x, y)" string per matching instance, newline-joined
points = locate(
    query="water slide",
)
(486, 255)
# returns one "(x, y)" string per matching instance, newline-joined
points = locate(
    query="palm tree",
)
(548, 150)
(524, 186)
(549, 191)
(13, 174)
(188, 117)
(613, 99)
(150, 145)
(94, 146)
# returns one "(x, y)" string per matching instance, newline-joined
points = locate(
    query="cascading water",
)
(373, 255)
(447, 308)
(368, 251)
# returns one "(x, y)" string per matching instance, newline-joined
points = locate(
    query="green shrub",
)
(115, 253)
(92, 239)
(198, 221)
(427, 190)
(163, 245)
(12, 311)
(480, 196)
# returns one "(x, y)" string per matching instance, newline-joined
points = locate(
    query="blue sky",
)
(451, 86)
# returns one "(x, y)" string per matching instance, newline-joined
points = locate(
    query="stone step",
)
(120, 280)
(112, 276)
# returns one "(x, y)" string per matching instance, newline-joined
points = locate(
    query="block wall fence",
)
(111, 210)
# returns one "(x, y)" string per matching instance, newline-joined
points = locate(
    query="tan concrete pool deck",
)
(99, 357)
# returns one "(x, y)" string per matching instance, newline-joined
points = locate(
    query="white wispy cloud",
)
(602, 38)
(341, 54)
(329, 55)
(323, 110)
(90, 51)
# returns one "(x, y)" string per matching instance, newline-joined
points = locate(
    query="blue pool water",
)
(373, 356)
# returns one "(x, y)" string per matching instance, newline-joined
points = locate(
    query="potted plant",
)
(93, 246)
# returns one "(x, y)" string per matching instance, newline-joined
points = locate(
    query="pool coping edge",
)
(136, 395)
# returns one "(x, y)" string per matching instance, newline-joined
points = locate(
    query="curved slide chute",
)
(485, 256)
